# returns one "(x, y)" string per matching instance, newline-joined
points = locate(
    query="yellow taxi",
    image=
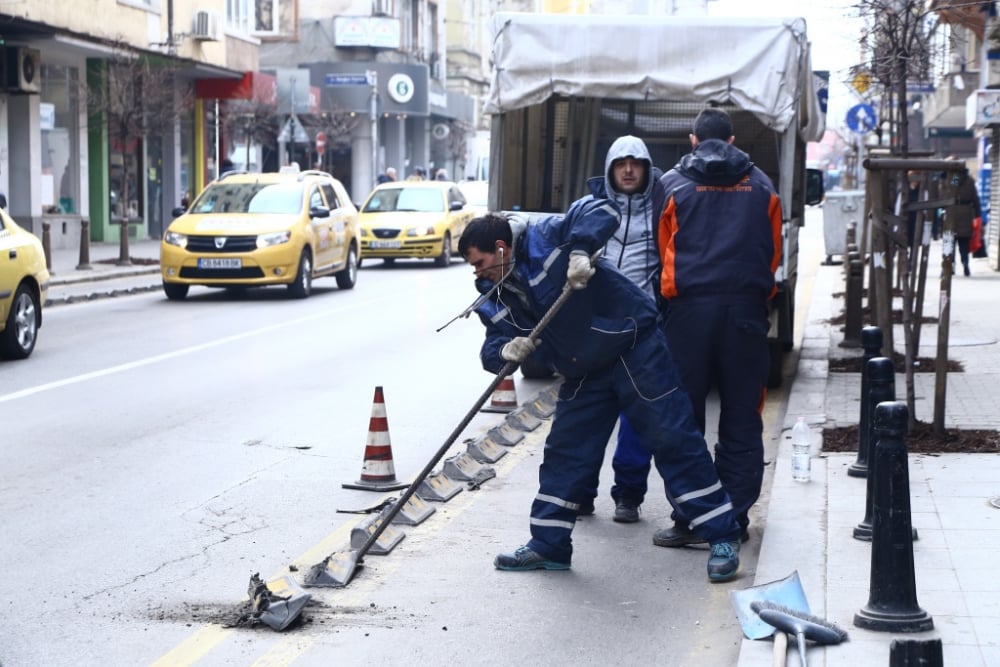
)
(413, 220)
(250, 229)
(24, 286)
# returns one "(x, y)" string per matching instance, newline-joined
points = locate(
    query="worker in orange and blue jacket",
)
(720, 243)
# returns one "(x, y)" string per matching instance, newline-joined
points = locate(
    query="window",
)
(238, 16)
(266, 16)
(59, 115)
(331, 196)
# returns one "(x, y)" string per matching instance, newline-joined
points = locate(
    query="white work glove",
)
(580, 270)
(518, 349)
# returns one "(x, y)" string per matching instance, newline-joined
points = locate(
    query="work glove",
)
(580, 270)
(518, 349)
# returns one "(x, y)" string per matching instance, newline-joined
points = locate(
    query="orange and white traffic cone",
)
(504, 398)
(377, 472)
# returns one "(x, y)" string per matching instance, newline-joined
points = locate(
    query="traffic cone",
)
(504, 398)
(377, 472)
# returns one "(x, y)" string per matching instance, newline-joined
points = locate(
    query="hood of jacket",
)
(715, 162)
(623, 147)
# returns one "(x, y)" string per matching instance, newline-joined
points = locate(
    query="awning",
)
(255, 86)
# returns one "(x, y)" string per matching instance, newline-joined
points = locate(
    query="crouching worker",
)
(607, 344)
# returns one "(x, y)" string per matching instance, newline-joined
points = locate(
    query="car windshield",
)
(475, 191)
(268, 198)
(425, 200)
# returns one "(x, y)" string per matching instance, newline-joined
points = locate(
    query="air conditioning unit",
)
(206, 26)
(23, 70)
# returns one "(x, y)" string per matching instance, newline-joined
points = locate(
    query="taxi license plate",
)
(215, 263)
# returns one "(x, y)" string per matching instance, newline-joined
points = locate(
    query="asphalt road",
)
(156, 454)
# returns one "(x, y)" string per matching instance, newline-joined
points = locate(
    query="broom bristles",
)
(822, 630)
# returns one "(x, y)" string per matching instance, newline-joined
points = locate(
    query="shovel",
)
(337, 569)
(787, 592)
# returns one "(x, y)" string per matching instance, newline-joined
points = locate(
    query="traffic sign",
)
(360, 79)
(861, 118)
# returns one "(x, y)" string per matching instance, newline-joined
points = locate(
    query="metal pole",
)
(373, 116)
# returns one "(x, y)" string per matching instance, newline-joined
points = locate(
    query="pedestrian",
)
(607, 344)
(418, 174)
(720, 244)
(387, 176)
(962, 214)
(633, 183)
(441, 174)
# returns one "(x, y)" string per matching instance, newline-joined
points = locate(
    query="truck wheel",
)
(774, 370)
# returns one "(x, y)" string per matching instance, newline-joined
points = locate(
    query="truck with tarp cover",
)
(564, 87)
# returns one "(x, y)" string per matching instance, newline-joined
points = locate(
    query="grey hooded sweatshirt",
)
(633, 249)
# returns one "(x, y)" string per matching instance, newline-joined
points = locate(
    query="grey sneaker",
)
(724, 561)
(626, 512)
(524, 559)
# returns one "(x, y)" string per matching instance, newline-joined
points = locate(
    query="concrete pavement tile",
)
(991, 655)
(978, 579)
(936, 579)
(987, 630)
(973, 558)
(925, 559)
(986, 539)
(929, 520)
(967, 514)
(983, 604)
(944, 605)
(930, 538)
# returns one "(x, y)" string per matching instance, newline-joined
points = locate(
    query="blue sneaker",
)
(524, 559)
(724, 561)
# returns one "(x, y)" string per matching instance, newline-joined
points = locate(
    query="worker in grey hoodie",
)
(634, 184)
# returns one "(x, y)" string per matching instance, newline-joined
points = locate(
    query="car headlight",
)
(275, 238)
(176, 238)
(425, 230)
(364, 232)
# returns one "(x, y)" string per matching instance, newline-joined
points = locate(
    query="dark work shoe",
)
(524, 559)
(676, 536)
(682, 536)
(586, 508)
(626, 512)
(724, 561)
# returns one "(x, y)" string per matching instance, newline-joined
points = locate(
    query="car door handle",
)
(12, 253)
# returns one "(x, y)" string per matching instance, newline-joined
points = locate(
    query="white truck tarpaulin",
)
(761, 65)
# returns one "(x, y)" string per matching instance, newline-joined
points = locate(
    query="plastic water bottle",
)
(800, 450)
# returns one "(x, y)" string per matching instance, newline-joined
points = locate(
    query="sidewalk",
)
(104, 278)
(955, 498)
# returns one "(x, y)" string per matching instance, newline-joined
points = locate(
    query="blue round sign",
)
(861, 118)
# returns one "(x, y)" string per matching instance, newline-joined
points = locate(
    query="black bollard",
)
(871, 340)
(916, 653)
(881, 387)
(84, 246)
(853, 301)
(892, 599)
(47, 245)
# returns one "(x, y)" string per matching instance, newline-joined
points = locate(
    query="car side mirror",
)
(456, 206)
(814, 186)
(179, 211)
(319, 212)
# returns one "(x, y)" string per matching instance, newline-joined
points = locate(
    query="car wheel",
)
(444, 259)
(347, 277)
(18, 339)
(302, 286)
(389, 261)
(175, 291)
